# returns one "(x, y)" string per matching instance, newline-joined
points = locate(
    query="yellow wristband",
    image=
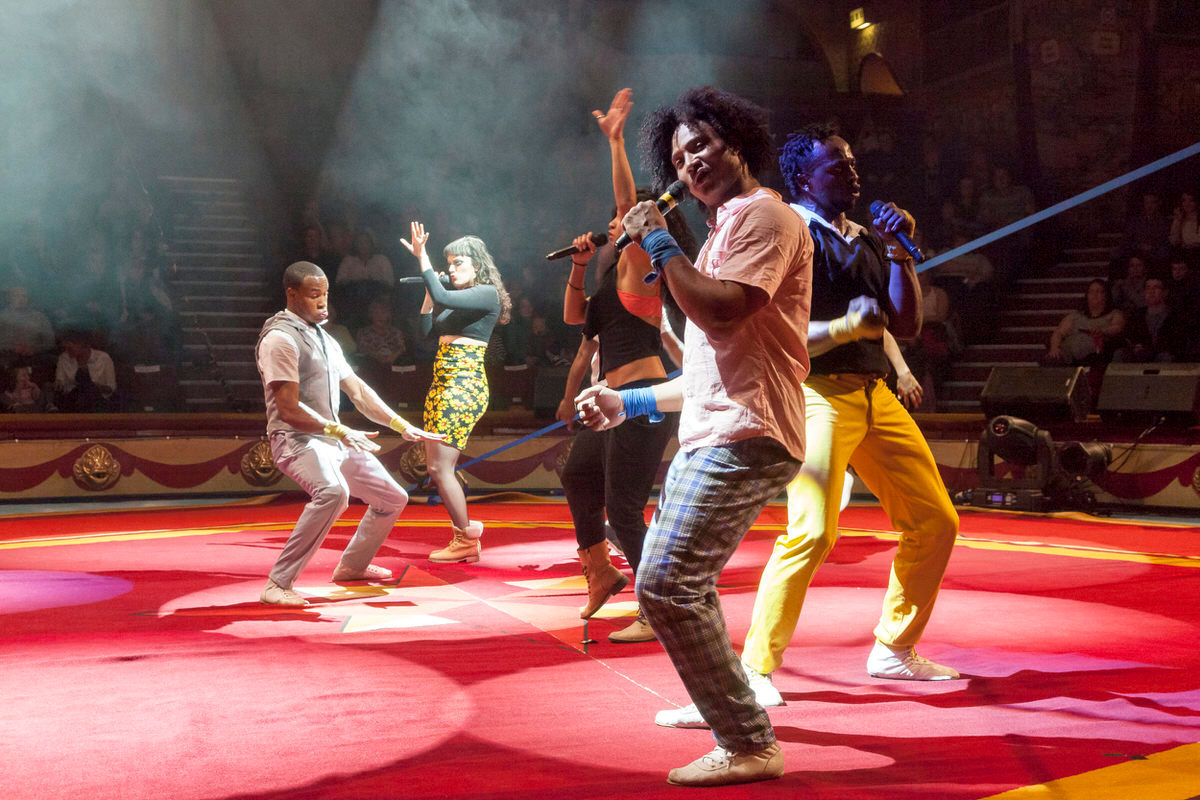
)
(336, 429)
(398, 425)
(839, 330)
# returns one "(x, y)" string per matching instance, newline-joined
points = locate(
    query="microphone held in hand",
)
(908, 244)
(444, 278)
(665, 202)
(597, 239)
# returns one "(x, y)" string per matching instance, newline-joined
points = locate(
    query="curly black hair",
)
(795, 157)
(741, 124)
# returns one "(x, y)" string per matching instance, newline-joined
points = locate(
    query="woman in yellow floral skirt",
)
(462, 316)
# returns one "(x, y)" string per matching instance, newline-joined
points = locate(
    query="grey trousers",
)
(331, 473)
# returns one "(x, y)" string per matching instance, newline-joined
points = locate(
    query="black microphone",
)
(666, 201)
(901, 237)
(597, 239)
(445, 279)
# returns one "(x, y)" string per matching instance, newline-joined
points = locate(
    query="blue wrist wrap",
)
(640, 401)
(661, 247)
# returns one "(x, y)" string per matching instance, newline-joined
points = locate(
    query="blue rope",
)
(1058, 208)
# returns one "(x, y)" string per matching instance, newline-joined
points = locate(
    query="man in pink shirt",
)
(741, 430)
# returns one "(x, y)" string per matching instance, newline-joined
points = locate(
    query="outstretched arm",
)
(371, 406)
(613, 125)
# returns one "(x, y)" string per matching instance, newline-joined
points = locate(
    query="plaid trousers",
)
(709, 500)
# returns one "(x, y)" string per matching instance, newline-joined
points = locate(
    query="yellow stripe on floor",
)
(1169, 775)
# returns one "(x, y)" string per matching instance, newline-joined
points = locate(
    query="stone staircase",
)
(220, 284)
(1028, 315)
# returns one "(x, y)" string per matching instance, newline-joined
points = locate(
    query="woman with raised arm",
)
(613, 471)
(462, 316)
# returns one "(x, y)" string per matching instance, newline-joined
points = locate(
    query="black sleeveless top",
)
(624, 338)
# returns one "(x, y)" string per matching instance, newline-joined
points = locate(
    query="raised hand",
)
(419, 238)
(613, 122)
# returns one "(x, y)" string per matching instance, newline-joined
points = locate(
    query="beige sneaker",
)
(722, 767)
(905, 665)
(276, 595)
(462, 548)
(371, 573)
(638, 631)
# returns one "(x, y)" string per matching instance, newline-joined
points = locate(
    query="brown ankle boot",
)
(461, 548)
(603, 579)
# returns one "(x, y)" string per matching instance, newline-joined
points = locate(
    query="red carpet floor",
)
(136, 662)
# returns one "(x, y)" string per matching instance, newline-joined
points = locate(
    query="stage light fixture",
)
(1084, 459)
(1015, 440)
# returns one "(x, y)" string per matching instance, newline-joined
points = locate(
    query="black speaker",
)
(1038, 394)
(1145, 391)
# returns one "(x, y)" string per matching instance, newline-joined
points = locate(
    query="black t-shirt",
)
(843, 271)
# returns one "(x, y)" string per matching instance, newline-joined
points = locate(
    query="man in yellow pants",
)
(861, 281)
(860, 284)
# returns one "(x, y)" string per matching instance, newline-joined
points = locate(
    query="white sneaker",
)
(905, 665)
(764, 688)
(276, 595)
(686, 717)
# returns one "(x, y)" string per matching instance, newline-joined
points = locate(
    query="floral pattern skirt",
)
(459, 393)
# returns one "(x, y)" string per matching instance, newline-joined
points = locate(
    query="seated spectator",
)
(85, 379)
(1147, 233)
(968, 279)
(1183, 286)
(21, 394)
(545, 348)
(1087, 337)
(363, 274)
(148, 331)
(380, 342)
(1185, 228)
(1129, 291)
(341, 334)
(91, 301)
(1153, 333)
(26, 335)
(931, 353)
(1001, 203)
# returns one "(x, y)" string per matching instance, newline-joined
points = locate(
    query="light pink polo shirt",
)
(746, 382)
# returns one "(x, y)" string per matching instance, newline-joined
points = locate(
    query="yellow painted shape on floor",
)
(1169, 775)
(574, 583)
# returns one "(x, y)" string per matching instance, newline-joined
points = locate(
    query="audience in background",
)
(21, 394)
(1183, 286)
(1147, 233)
(1088, 336)
(85, 379)
(1129, 291)
(1153, 332)
(1185, 228)
(26, 335)
(379, 341)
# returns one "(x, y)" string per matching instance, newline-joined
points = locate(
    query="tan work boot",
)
(603, 579)
(637, 631)
(462, 548)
